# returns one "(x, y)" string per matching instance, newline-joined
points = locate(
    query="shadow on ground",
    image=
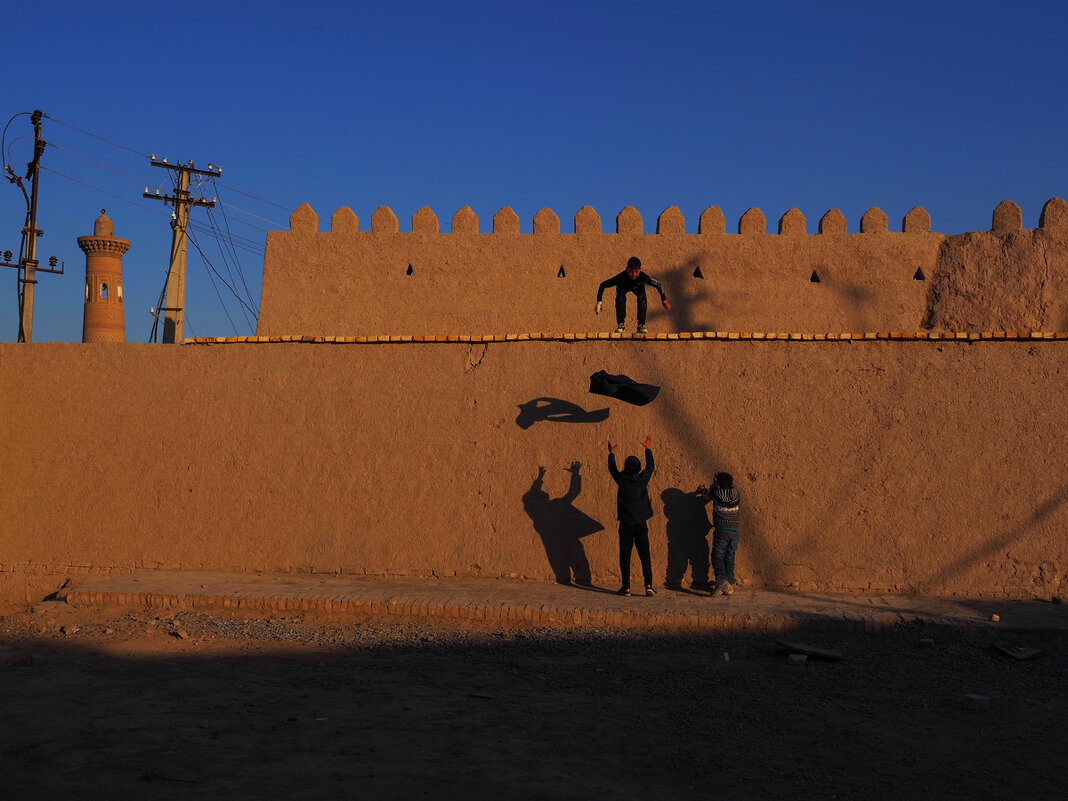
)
(379, 710)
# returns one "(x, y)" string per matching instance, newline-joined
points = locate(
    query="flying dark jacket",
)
(622, 388)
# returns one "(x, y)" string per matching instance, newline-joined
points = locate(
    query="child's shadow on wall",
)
(687, 527)
(561, 527)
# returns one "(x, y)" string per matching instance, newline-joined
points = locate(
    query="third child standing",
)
(726, 513)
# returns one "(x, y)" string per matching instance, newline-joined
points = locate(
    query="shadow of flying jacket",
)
(632, 499)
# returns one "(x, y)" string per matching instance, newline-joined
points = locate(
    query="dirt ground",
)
(151, 704)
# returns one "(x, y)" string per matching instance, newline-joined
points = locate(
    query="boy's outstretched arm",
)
(613, 281)
(612, 469)
(659, 288)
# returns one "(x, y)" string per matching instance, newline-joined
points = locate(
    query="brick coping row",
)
(933, 336)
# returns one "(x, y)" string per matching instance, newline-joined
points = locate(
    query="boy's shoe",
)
(649, 592)
(726, 589)
(621, 328)
(641, 328)
(623, 591)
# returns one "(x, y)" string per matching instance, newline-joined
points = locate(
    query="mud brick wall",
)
(930, 467)
(344, 281)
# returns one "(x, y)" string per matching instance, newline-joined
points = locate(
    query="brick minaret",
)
(105, 320)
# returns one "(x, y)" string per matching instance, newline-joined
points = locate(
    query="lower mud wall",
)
(933, 467)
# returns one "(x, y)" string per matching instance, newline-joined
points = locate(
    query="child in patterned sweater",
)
(726, 514)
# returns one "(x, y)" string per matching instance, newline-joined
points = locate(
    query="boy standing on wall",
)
(726, 513)
(633, 280)
(633, 508)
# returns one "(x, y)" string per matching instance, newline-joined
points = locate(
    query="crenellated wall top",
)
(1006, 219)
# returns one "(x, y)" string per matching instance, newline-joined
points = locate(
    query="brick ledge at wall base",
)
(869, 336)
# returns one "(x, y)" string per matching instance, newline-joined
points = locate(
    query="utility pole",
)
(174, 299)
(27, 264)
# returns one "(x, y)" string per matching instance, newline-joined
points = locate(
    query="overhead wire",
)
(223, 242)
(225, 255)
(226, 222)
(141, 206)
(275, 223)
(97, 163)
(238, 241)
(3, 135)
(97, 136)
(152, 337)
(212, 267)
(216, 288)
(11, 144)
(260, 199)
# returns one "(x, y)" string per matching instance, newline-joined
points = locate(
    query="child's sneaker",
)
(621, 328)
(641, 328)
(726, 589)
(623, 591)
(649, 592)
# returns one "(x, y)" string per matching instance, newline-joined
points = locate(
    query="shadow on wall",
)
(556, 411)
(687, 547)
(561, 526)
(993, 546)
(860, 299)
(675, 281)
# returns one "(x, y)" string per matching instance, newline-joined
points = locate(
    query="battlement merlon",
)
(1006, 218)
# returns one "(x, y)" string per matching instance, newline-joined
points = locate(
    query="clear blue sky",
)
(953, 106)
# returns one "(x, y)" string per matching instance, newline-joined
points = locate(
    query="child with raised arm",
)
(633, 508)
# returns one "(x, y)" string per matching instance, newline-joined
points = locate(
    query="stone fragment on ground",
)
(1019, 652)
(979, 703)
(809, 650)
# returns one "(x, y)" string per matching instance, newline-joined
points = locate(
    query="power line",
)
(106, 192)
(225, 256)
(3, 136)
(238, 241)
(97, 136)
(275, 223)
(260, 199)
(248, 224)
(11, 144)
(232, 291)
(97, 163)
(237, 261)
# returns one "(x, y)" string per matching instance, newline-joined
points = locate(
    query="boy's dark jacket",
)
(632, 501)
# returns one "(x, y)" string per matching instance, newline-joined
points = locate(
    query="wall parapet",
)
(771, 274)
(671, 221)
(1007, 217)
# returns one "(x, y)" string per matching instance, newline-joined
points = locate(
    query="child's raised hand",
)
(667, 305)
(647, 443)
(597, 308)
